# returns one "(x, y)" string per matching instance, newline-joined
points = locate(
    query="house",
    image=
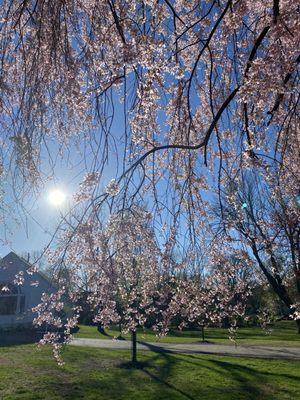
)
(16, 301)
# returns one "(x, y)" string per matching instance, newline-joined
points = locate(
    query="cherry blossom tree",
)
(217, 297)
(179, 96)
(120, 264)
(135, 276)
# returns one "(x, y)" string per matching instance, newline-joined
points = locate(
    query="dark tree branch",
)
(251, 152)
(275, 10)
(280, 96)
(203, 143)
(255, 47)
(117, 20)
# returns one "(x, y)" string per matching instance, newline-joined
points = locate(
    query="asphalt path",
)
(290, 353)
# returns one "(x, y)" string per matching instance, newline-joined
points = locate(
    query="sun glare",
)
(56, 197)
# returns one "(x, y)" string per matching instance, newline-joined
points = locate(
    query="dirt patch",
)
(101, 363)
(5, 362)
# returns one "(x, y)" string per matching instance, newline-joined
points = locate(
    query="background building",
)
(17, 300)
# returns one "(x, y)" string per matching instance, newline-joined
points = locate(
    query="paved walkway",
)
(292, 353)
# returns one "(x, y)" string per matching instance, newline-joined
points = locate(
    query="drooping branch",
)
(280, 96)
(202, 144)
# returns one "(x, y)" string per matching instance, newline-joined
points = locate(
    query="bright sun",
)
(56, 197)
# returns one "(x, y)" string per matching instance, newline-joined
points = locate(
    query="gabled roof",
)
(12, 259)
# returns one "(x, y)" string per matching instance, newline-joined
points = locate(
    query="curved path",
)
(292, 353)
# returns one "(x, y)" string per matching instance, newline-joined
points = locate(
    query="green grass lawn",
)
(26, 373)
(283, 334)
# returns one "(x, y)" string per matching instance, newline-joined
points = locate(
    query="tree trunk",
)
(202, 329)
(298, 325)
(133, 348)
(101, 330)
(276, 284)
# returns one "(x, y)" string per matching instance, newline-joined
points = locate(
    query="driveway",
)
(292, 353)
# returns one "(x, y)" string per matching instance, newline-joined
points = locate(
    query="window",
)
(12, 301)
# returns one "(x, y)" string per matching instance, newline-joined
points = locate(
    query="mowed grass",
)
(284, 333)
(89, 374)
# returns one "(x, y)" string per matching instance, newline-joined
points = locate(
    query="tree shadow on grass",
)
(163, 380)
(120, 382)
(165, 371)
(248, 378)
(255, 384)
(236, 370)
(230, 365)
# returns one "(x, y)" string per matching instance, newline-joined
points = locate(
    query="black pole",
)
(133, 347)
